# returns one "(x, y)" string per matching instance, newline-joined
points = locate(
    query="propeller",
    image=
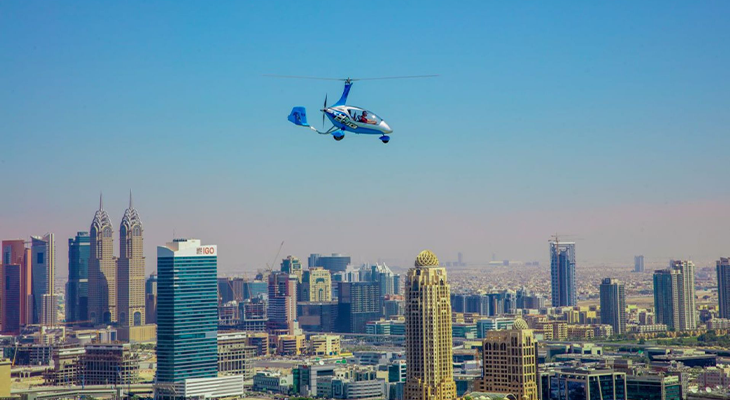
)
(325, 107)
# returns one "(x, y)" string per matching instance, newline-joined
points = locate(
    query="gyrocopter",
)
(346, 118)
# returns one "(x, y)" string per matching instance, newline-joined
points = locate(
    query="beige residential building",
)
(325, 345)
(102, 269)
(131, 274)
(430, 372)
(510, 362)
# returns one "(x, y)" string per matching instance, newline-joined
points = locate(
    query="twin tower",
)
(116, 285)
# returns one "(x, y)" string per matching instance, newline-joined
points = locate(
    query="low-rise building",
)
(289, 345)
(325, 345)
(259, 340)
(272, 381)
(583, 383)
(712, 377)
(649, 386)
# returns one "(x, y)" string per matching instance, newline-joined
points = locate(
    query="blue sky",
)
(567, 117)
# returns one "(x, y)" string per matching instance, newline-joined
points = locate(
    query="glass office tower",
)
(187, 311)
(562, 273)
(77, 288)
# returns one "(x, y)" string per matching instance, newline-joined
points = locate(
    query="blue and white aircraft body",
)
(346, 118)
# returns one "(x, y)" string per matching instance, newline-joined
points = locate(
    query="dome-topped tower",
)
(520, 324)
(426, 258)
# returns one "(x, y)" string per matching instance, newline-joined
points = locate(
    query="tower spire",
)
(130, 199)
(101, 201)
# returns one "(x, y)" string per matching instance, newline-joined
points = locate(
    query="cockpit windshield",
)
(363, 116)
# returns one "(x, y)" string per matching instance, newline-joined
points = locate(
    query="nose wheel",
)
(385, 139)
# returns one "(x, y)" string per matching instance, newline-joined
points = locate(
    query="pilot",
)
(365, 118)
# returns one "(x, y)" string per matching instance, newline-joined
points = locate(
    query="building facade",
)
(430, 373)
(510, 362)
(131, 273)
(77, 288)
(562, 274)
(613, 305)
(102, 269)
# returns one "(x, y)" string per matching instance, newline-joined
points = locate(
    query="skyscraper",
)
(43, 266)
(638, 263)
(723, 286)
(102, 269)
(187, 307)
(10, 298)
(131, 278)
(562, 273)
(282, 309)
(613, 305)
(77, 288)
(688, 309)
(15, 252)
(674, 296)
(510, 362)
(430, 372)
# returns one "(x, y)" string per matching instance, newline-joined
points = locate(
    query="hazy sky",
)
(606, 121)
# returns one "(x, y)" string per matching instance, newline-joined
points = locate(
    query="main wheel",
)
(385, 139)
(338, 138)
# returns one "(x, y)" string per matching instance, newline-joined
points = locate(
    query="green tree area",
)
(709, 338)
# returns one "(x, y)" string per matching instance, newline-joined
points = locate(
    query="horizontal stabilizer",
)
(298, 116)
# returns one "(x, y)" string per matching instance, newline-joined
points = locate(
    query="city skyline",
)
(528, 78)
(233, 266)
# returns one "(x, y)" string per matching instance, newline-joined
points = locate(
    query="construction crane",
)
(270, 268)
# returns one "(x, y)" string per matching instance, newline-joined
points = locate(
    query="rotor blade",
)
(304, 77)
(395, 77)
(352, 80)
